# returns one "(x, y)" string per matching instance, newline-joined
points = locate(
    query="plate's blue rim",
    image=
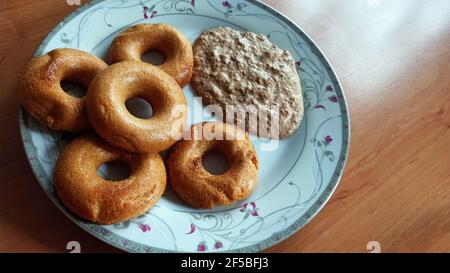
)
(132, 246)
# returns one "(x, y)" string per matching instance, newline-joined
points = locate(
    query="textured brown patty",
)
(243, 69)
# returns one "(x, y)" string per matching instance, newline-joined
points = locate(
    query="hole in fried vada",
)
(114, 171)
(215, 162)
(139, 108)
(74, 89)
(153, 57)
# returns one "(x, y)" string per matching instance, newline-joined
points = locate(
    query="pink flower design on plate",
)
(145, 227)
(320, 106)
(192, 229)
(202, 246)
(244, 208)
(146, 10)
(226, 4)
(218, 245)
(333, 98)
(193, 3)
(328, 139)
(252, 211)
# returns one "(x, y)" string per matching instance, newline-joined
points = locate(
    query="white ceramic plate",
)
(296, 179)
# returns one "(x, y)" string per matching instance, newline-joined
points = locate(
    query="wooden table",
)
(393, 59)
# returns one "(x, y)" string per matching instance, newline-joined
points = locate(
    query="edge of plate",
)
(276, 237)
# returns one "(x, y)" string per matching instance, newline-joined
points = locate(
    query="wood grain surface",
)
(393, 59)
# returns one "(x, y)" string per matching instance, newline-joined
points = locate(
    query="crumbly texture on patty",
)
(248, 71)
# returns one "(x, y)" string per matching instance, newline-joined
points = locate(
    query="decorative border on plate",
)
(132, 246)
